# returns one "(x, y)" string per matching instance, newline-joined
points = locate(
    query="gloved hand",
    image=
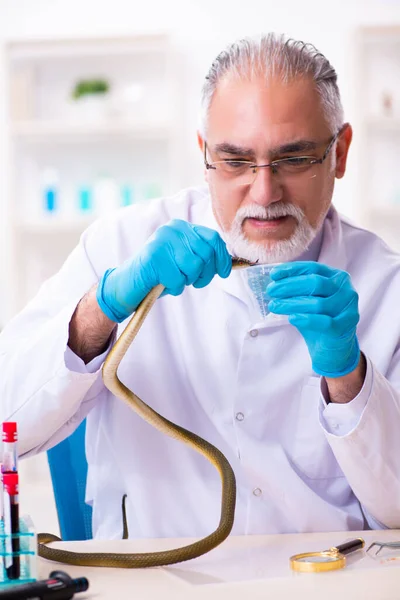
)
(322, 303)
(177, 255)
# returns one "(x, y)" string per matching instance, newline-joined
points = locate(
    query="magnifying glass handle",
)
(350, 546)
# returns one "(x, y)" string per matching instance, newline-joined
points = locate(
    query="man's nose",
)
(266, 188)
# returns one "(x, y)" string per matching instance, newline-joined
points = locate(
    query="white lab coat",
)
(301, 465)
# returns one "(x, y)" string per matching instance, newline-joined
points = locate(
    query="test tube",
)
(10, 457)
(11, 525)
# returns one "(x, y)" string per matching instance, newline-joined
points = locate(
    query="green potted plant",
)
(86, 87)
(89, 96)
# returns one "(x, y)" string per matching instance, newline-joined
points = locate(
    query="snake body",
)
(210, 452)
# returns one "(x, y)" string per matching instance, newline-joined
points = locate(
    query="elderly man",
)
(305, 408)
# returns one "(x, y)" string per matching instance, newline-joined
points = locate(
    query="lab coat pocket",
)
(312, 453)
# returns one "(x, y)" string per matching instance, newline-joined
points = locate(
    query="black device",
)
(59, 586)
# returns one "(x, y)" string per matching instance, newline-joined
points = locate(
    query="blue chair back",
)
(68, 470)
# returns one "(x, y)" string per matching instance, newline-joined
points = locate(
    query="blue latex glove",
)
(177, 255)
(322, 303)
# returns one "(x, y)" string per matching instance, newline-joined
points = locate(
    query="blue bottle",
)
(126, 195)
(50, 190)
(85, 199)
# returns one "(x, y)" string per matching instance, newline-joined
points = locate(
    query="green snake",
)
(210, 452)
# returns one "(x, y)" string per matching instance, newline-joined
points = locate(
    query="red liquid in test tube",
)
(9, 498)
(11, 525)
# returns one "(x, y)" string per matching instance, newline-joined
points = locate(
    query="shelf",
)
(64, 131)
(379, 34)
(386, 124)
(385, 212)
(123, 47)
(133, 139)
(55, 225)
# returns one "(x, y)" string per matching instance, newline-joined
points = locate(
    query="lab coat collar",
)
(332, 251)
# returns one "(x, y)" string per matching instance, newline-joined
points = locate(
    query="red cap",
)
(10, 431)
(10, 483)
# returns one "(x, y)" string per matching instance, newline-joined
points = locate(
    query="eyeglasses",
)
(244, 172)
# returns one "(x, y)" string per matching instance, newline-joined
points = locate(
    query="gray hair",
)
(272, 55)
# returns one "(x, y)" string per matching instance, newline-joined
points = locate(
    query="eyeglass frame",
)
(274, 163)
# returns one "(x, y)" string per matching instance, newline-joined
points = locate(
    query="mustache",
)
(279, 209)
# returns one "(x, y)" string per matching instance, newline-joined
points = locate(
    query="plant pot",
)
(91, 107)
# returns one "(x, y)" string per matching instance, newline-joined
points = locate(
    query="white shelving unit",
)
(378, 63)
(53, 131)
(128, 138)
(132, 135)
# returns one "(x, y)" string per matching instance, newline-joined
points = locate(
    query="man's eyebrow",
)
(227, 148)
(289, 148)
(297, 146)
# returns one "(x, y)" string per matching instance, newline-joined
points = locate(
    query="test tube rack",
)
(27, 552)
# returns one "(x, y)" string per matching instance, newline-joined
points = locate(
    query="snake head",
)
(238, 262)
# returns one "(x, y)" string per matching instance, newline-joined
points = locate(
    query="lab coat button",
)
(257, 492)
(254, 333)
(239, 416)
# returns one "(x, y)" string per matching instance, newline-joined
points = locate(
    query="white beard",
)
(281, 250)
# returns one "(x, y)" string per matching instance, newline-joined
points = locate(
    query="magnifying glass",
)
(325, 560)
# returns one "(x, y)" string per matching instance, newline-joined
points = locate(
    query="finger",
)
(207, 274)
(188, 250)
(169, 274)
(311, 305)
(201, 242)
(302, 285)
(293, 269)
(347, 320)
(324, 325)
(314, 305)
(176, 291)
(321, 323)
(344, 299)
(223, 260)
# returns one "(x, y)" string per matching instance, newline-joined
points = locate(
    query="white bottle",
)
(105, 195)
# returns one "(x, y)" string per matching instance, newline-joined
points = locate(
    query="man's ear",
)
(342, 150)
(200, 141)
